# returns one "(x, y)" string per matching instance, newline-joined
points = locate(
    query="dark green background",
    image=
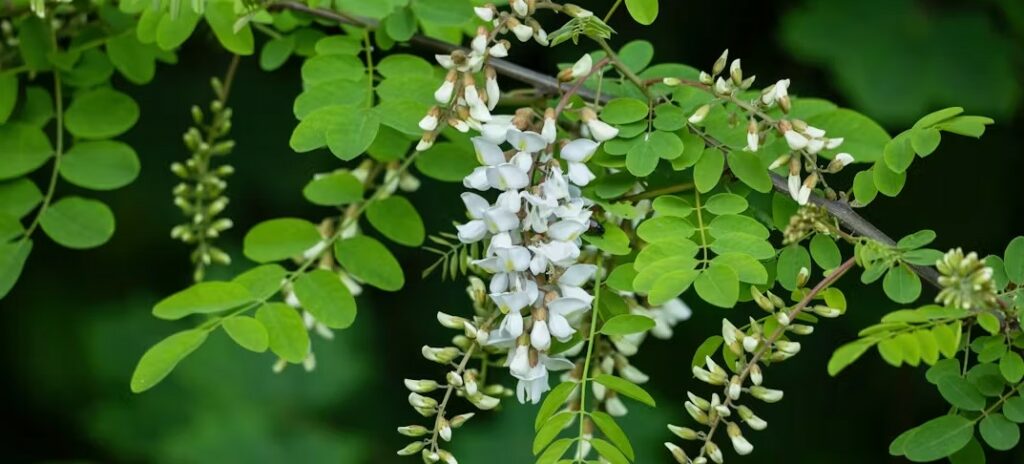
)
(77, 321)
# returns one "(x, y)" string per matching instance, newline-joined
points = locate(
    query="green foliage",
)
(279, 239)
(368, 260)
(643, 11)
(161, 359)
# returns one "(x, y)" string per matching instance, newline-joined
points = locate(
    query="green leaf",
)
(607, 424)
(161, 359)
(791, 260)
(8, 95)
(718, 285)
(989, 322)
(134, 60)
(1012, 367)
(553, 401)
(916, 240)
(262, 281)
(943, 369)
(969, 126)
(334, 189)
(323, 294)
(621, 277)
(23, 149)
(626, 388)
(925, 141)
(400, 64)
(846, 355)
(642, 158)
(555, 451)
(1013, 409)
(401, 25)
(987, 378)
(864, 189)
(100, 165)
(286, 331)
(669, 117)
(998, 432)
(624, 111)
(936, 117)
(970, 454)
(939, 438)
(901, 284)
(276, 52)
(36, 109)
(887, 181)
(627, 324)
(174, 30)
(898, 153)
(708, 170)
(748, 168)
(664, 227)
(551, 429)
(671, 205)
(279, 239)
(643, 11)
(613, 241)
(203, 298)
(78, 223)
(446, 161)
(748, 269)
(331, 93)
(352, 131)
(220, 15)
(825, 252)
(608, 451)
(1013, 260)
(403, 115)
(928, 344)
(100, 114)
(961, 393)
(891, 351)
(397, 219)
(726, 203)
(12, 261)
(35, 40)
(248, 332)
(443, 12)
(368, 260)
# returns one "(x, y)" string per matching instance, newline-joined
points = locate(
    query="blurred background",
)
(78, 321)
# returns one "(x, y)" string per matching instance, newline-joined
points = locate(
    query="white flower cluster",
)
(533, 228)
(461, 104)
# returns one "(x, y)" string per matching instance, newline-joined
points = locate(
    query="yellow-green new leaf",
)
(248, 332)
(286, 332)
(203, 298)
(323, 294)
(161, 359)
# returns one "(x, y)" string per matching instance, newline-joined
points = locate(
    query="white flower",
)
(814, 132)
(844, 158)
(522, 32)
(445, 61)
(795, 140)
(699, 114)
(566, 230)
(740, 444)
(528, 141)
(477, 179)
(443, 94)
(498, 50)
(484, 13)
(472, 231)
(493, 92)
(507, 176)
(582, 66)
(579, 150)
(496, 130)
(833, 143)
(479, 43)
(600, 130)
(793, 182)
(500, 219)
(519, 361)
(429, 122)
(549, 132)
(512, 303)
(615, 406)
(540, 337)
(561, 254)
(815, 145)
(520, 7)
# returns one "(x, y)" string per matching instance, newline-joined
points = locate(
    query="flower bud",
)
(449, 321)
(768, 395)
(696, 413)
(700, 114)
(802, 276)
(736, 72)
(713, 452)
(755, 374)
(457, 421)
(719, 65)
(701, 403)
(421, 386)
(740, 444)
(440, 355)
(750, 419)
(677, 453)
(413, 431)
(683, 432)
(411, 448)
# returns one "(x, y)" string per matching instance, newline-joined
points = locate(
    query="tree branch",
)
(841, 210)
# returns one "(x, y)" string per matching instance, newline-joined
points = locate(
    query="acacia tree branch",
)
(840, 209)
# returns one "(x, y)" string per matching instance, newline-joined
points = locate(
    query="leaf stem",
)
(58, 103)
(590, 351)
(611, 11)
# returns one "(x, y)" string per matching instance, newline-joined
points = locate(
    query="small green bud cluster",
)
(748, 351)
(966, 281)
(808, 219)
(465, 382)
(200, 194)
